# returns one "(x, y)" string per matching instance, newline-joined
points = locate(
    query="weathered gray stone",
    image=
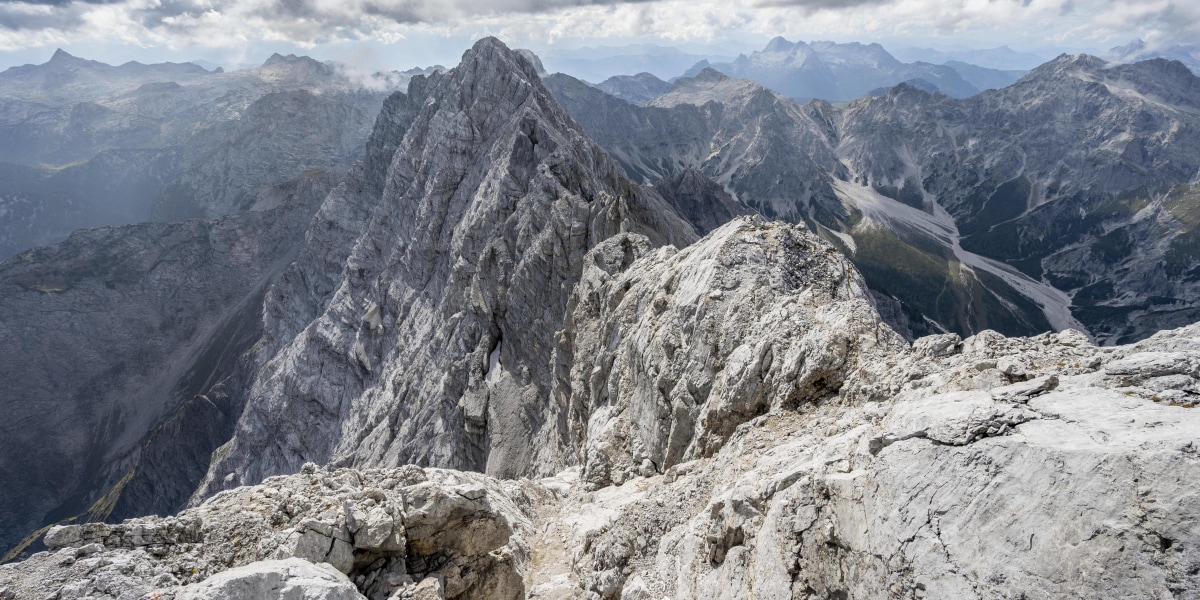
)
(468, 245)
(430, 588)
(291, 579)
(675, 349)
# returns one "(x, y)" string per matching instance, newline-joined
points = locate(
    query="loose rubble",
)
(382, 533)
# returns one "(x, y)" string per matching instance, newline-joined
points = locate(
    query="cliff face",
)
(118, 349)
(672, 350)
(746, 427)
(436, 345)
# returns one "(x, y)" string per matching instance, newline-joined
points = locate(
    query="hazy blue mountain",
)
(104, 145)
(599, 64)
(920, 84)
(984, 78)
(639, 88)
(1188, 54)
(1000, 58)
(833, 72)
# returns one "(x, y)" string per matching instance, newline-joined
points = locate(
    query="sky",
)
(398, 34)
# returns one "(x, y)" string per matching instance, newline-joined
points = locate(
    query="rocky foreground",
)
(829, 459)
(604, 406)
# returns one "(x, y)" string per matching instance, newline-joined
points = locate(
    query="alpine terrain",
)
(84, 144)
(542, 342)
(1060, 201)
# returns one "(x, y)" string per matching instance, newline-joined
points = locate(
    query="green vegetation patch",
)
(1009, 201)
(1112, 247)
(911, 194)
(935, 285)
(1184, 204)
(25, 542)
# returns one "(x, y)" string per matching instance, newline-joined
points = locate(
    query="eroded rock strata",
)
(524, 376)
(985, 467)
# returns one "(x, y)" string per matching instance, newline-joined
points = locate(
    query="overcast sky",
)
(405, 33)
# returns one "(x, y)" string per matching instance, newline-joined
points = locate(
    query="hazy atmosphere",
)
(580, 300)
(404, 33)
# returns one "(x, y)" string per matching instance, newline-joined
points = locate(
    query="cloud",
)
(61, 3)
(818, 4)
(21, 16)
(306, 23)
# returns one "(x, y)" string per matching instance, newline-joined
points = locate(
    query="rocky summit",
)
(804, 450)
(495, 367)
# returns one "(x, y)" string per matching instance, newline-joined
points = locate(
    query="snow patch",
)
(493, 371)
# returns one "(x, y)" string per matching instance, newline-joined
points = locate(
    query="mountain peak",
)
(291, 59)
(492, 52)
(779, 44)
(1070, 62)
(709, 74)
(62, 57)
(534, 60)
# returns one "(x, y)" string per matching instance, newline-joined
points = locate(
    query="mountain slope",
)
(781, 160)
(437, 345)
(119, 331)
(116, 145)
(965, 210)
(747, 428)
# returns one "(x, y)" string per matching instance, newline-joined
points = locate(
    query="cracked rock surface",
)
(322, 533)
(942, 484)
(420, 329)
(727, 418)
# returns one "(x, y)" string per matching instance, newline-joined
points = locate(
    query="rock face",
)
(149, 321)
(672, 350)
(320, 534)
(435, 347)
(980, 198)
(828, 459)
(294, 579)
(958, 484)
(699, 200)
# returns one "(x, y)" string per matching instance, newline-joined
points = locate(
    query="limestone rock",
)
(675, 349)
(430, 588)
(291, 579)
(416, 525)
(944, 483)
(428, 336)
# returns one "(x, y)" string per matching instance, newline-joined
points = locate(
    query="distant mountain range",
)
(1000, 58)
(599, 64)
(1188, 54)
(1058, 201)
(836, 72)
(90, 144)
